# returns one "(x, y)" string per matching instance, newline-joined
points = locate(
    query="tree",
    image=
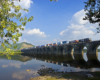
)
(92, 8)
(9, 30)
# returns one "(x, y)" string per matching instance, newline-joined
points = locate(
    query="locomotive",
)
(81, 40)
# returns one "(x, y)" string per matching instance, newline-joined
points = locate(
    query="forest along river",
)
(23, 67)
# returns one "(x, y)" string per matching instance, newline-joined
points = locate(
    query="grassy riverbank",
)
(69, 76)
(54, 74)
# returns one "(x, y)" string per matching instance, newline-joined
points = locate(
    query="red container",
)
(47, 44)
(54, 44)
(50, 44)
(76, 41)
(37, 46)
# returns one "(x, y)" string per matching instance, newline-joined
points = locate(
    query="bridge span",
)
(66, 51)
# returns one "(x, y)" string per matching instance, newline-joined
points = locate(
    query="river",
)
(23, 67)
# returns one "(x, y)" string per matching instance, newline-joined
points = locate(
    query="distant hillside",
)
(19, 46)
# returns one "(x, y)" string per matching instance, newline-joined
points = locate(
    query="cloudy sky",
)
(56, 21)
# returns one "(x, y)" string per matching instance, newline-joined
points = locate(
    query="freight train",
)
(66, 42)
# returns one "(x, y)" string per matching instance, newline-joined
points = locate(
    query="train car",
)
(51, 44)
(54, 44)
(85, 40)
(43, 45)
(64, 42)
(81, 40)
(70, 42)
(37, 46)
(59, 43)
(74, 41)
(47, 45)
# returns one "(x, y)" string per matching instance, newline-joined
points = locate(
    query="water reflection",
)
(17, 58)
(23, 67)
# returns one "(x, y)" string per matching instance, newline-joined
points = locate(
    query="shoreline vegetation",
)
(51, 74)
(19, 51)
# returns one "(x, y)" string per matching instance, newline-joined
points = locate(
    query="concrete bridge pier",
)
(47, 55)
(32, 52)
(35, 54)
(68, 53)
(53, 52)
(92, 52)
(39, 52)
(43, 52)
(78, 53)
(60, 53)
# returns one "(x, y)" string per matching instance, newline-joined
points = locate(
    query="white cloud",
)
(17, 65)
(78, 18)
(23, 74)
(78, 30)
(24, 3)
(35, 32)
(4, 66)
(25, 40)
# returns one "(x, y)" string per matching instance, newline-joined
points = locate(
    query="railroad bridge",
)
(66, 51)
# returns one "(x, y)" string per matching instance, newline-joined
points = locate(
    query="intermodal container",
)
(37, 46)
(54, 44)
(81, 40)
(59, 43)
(43, 45)
(64, 42)
(47, 45)
(51, 44)
(76, 41)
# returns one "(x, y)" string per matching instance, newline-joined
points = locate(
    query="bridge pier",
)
(78, 53)
(68, 53)
(92, 53)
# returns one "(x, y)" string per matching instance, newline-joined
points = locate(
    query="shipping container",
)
(59, 43)
(54, 44)
(51, 44)
(76, 41)
(37, 46)
(64, 42)
(81, 40)
(47, 45)
(43, 45)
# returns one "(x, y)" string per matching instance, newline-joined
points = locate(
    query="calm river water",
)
(17, 67)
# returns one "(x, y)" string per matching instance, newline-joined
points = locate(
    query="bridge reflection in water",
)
(70, 53)
(62, 61)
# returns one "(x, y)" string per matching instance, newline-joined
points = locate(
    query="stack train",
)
(65, 42)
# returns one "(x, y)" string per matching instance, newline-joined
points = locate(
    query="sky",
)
(56, 21)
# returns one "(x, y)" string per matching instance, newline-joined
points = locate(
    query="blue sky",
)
(56, 21)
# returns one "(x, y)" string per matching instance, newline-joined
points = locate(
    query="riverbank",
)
(70, 76)
(51, 74)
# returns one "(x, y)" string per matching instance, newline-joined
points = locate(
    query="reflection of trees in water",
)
(17, 58)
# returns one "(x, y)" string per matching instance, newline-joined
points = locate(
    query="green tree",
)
(9, 30)
(92, 8)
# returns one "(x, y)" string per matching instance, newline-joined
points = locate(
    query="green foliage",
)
(14, 49)
(8, 28)
(92, 8)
